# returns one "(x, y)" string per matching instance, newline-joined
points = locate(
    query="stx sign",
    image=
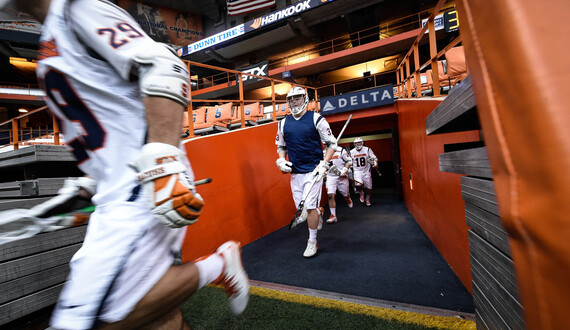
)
(358, 100)
(258, 69)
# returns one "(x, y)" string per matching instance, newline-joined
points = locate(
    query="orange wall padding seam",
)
(248, 197)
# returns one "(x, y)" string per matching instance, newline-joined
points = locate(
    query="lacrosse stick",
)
(334, 169)
(377, 171)
(18, 224)
(297, 217)
(354, 181)
(22, 223)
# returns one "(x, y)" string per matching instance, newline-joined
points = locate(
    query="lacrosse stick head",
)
(299, 217)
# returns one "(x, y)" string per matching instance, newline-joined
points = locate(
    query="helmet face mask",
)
(297, 99)
(358, 143)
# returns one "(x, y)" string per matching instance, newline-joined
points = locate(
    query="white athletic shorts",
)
(300, 184)
(365, 177)
(125, 252)
(335, 182)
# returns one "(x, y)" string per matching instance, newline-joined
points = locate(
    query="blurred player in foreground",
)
(119, 97)
(299, 135)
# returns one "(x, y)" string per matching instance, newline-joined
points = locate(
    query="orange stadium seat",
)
(283, 110)
(220, 115)
(456, 65)
(312, 106)
(253, 112)
(206, 121)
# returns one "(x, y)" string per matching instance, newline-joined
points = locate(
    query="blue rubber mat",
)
(377, 252)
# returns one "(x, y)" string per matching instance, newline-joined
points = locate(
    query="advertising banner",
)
(252, 25)
(258, 69)
(369, 98)
(164, 24)
(282, 14)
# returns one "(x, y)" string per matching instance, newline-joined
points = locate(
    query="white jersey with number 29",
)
(85, 63)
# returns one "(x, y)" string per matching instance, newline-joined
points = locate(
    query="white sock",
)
(209, 269)
(333, 211)
(313, 235)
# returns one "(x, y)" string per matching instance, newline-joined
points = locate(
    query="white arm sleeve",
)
(279, 140)
(371, 154)
(346, 158)
(324, 131)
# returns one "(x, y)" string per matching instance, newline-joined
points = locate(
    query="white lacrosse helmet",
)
(358, 143)
(297, 99)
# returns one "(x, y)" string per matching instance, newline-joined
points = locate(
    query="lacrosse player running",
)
(299, 135)
(337, 179)
(120, 97)
(362, 158)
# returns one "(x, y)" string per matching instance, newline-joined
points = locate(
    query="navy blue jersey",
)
(303, 142)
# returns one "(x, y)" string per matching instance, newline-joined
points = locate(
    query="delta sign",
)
(369, 98)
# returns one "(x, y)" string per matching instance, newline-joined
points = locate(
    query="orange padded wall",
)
(516, 55)
(435, 201)
(248, 196)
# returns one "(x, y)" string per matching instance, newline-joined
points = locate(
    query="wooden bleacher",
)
(495, 291)
(33, 270)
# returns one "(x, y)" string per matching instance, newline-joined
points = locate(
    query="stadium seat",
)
(221, 114)
(216, 119)
(253, 112)
(456, 65)
(281, 111)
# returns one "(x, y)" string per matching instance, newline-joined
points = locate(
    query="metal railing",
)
(408, 77)
(12, 133)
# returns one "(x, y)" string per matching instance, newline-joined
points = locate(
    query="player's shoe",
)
(361, 198)
(349, 202)
(311, 249)
(321, 212)
(368, 203)
(234, 278)
(332, 219)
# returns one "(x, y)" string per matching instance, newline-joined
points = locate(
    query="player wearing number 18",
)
(120, 97)
(362, 159)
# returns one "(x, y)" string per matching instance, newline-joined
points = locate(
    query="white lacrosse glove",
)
(343, 172)
(75, 195)
(373, 162)
(165, 186)
(284, 165)
(321, 169)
